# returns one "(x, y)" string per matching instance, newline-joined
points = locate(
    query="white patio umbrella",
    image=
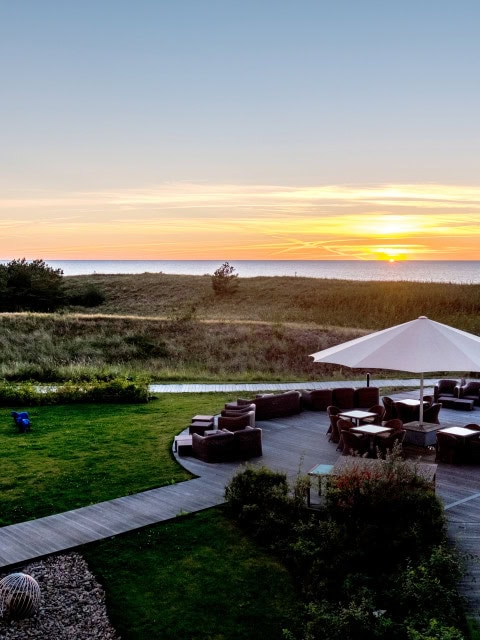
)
(417, 346)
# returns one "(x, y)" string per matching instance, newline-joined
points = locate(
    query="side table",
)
(183, 445)
(319, 471)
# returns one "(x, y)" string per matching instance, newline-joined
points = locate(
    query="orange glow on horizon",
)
(246, 222)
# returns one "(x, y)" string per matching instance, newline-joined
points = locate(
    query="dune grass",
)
(174, 328)
(77, 455)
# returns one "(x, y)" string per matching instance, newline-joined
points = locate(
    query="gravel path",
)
(72, 605)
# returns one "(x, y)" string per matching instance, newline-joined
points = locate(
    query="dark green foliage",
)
(259, 499)
(372, 563)
(30, 286)
(90, 295)
(117, 390)
(225, 280)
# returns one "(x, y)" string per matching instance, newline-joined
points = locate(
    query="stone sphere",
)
(19, 596)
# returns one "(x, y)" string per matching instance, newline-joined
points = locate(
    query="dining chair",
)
(354, 444)
(431, 413)
(385, 444)
(448, 448)
(390, 409)
(379, 410)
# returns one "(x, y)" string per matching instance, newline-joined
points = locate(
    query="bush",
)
(30, 286)
(371, 563)
(259, 500)
(225, 280)
(118, 390)
(90, 296)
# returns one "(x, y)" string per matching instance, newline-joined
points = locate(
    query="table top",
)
(357, 414)
(460, 431)
(371, 429)
(202, 418)
(321, 470)
(409, 402)
(423, 427)
(183, 439)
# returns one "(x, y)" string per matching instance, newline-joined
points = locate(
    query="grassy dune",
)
(174, 328)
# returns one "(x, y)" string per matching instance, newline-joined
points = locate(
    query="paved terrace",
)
(293, 445)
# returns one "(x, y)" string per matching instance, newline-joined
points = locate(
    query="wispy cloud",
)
(246, 221)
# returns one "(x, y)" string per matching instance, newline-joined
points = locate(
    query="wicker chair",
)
(343, 425)
(407, 413)
(247, 443)
(390, 408)
(354, 444)
(332, 432)
(431, 413)
(218, 447)
(448, 448)
(385, 444)
(395, 424)
(235, 423)
(379, 410)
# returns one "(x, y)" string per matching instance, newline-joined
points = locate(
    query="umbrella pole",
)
(421, 400)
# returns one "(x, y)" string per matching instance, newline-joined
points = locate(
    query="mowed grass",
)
(197, 577)
(77, 455)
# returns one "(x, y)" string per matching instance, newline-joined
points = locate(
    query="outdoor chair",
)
(379, 410)
(233, 407)
(446, 388)
(343, 425)
(385, 443)
(234, 423)
(407, 413)
(395, 424)
(448, 448)
(470, 391)
(332, 432)
(218, 447)
(431, 413)
(354, 444)
(390, 409)
(21, 420)
(247, 443)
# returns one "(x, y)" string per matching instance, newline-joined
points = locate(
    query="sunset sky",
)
(240, 129)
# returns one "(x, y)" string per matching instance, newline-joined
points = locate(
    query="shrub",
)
(118, 390)
(30, 286)
(225, 280)
(259, 499)
(90, 296)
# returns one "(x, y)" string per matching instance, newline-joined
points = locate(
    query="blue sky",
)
(141, 129)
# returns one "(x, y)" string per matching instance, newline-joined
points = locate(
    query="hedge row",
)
(118, 390)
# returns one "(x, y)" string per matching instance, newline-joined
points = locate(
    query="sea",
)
(459, 272)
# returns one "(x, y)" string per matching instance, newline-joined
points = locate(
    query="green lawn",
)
(77, 455)
(197, 577)
(194, 578)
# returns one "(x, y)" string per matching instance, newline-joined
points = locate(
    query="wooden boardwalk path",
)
(293, 445)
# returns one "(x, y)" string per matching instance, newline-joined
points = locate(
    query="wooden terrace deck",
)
(293, 445)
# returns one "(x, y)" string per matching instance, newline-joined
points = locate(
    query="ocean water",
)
(460, 272)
